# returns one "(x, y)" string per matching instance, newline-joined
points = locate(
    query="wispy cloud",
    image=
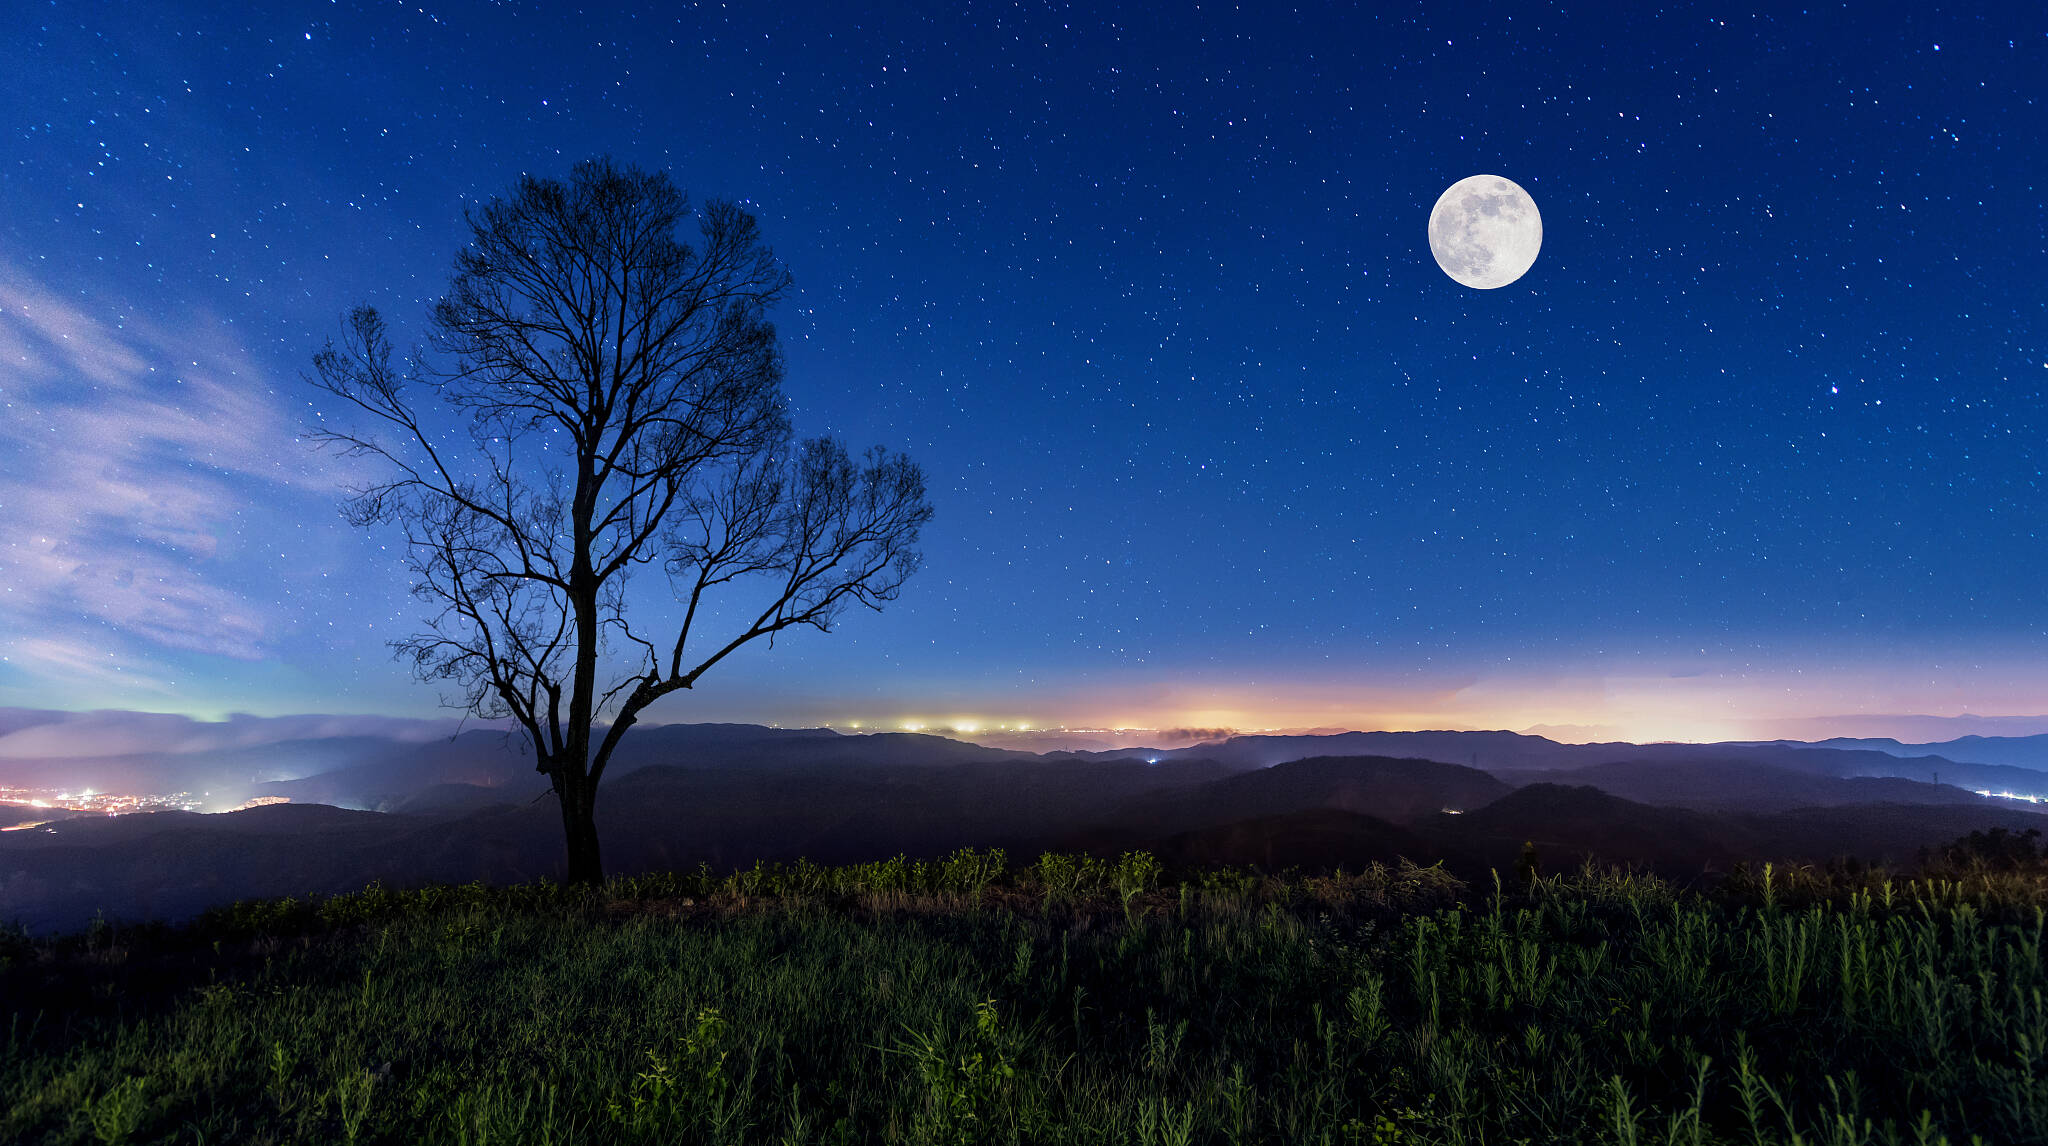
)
(128, 453)
(80, 662)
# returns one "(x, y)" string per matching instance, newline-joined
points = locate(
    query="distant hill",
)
(380, 772)
(389, 774)
(473, 809)
(1395, 790)
(1488, 750)
(688, 746)
(2026, 752)
(1316, 839)
(1570, 823)
(459, 798)
(504, 768)
(2022, 770)
(1745, 785)
(1567, 824)
(173, 864)
(1889, 833)
(1512, 755)
(11, 814)
(832, 812)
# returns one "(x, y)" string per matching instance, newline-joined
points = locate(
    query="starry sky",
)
(1147, 291)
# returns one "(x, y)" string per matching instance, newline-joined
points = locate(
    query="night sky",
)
(1147, 291)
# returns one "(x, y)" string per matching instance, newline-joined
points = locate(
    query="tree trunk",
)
(579, 827)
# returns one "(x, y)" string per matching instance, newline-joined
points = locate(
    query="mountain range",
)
(471, 807)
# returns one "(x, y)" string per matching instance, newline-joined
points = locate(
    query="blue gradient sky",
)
(1148, 293)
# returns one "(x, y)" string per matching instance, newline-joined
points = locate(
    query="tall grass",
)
(1071, 1001)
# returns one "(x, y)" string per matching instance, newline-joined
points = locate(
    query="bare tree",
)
(622, 394)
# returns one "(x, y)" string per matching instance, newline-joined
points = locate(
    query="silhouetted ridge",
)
(1562, 803)
(1396, 790)
(1569, 823)
(2028, 752)
(734, 794)
(1736, 784)
(1319, 839)
(1489, 750)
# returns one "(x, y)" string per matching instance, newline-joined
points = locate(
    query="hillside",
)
(729, 795)
(1396, 790)
(1747, 785)
(1318, 839)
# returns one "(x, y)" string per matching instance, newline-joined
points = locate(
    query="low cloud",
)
(1188, 735)
(78, 735)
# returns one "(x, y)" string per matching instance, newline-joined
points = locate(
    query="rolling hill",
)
(732, 794)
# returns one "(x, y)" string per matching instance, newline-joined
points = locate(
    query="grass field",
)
(1070, 1001)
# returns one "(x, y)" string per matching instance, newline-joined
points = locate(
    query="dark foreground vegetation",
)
(1074, 1000)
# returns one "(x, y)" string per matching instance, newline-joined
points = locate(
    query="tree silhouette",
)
(621, 389)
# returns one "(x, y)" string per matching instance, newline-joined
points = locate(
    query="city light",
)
(2011, 796)
(94, 800)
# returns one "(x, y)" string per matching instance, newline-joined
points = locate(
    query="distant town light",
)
(2011, 795)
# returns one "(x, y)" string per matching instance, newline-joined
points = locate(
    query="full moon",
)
(1485, 231)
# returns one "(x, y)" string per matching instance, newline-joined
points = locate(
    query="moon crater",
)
(1485, 231)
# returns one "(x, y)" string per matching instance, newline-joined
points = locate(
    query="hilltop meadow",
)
(1069, 1000)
